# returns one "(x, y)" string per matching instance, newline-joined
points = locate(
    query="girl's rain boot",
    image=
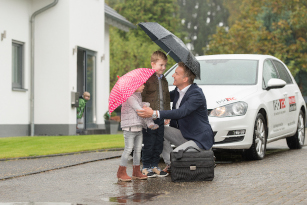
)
(137, 174)
(122, 174)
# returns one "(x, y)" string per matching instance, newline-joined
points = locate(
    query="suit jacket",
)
(191, 117)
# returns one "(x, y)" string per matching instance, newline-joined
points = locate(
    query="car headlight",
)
(230, 110)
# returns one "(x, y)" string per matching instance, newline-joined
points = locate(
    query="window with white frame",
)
(17, 65)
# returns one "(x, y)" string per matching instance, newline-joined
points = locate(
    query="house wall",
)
(72, 23)
(58, 30)
(87, 31)
(51, 78)
(14, 106)
(106, 71)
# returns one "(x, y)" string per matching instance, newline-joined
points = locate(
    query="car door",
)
(274, 100)
(291, 92)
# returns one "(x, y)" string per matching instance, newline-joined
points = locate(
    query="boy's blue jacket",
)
(191, 117)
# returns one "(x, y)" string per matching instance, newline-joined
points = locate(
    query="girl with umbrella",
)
(127, 91)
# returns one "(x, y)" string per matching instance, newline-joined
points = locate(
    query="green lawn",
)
(12, 147)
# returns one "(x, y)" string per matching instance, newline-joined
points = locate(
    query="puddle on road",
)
(131, 192)
(137, 197)
(40, 203)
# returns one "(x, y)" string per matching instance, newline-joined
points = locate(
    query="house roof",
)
(115, 19)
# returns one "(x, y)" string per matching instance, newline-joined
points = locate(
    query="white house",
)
(49, 50)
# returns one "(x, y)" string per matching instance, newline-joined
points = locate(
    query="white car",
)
(251, 100)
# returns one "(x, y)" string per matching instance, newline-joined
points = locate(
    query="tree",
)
(127, 54)
(199, 20)
(165, 12)
(113, 3)
(274, 27)
(133, 49)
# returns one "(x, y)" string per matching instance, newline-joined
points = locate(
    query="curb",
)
(56, 168)
(62, 154)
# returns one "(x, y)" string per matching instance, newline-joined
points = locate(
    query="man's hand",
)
(166, 121)
(145, 112)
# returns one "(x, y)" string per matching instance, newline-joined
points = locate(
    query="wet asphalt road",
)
(281, 178)
(16, 168)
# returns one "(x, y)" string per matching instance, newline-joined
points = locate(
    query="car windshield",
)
(224, 72)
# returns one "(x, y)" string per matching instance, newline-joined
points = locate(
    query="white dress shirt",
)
(181, 94)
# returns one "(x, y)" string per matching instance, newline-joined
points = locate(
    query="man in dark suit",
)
(189, 124)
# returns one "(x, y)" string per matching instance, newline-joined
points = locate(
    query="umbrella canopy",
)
(127, 85)
(171, 44)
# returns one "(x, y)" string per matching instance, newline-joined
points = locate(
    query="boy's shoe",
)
(167, 169)
(159, 172)
(148, 172)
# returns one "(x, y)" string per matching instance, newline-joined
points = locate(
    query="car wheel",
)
(298, 139)
(258, 148)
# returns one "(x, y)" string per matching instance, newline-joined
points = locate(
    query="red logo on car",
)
(282, 103)
(229, 99)
(279, 104)
(292, 100)
(226, 99)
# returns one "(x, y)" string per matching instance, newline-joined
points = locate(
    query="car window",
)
(225, 72)
(282, 71)
(268, 72)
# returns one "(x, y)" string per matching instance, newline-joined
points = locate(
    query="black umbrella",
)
(172, 45)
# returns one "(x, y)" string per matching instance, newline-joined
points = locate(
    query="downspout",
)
(32, 61)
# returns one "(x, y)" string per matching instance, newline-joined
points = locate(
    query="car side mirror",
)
(275, 83)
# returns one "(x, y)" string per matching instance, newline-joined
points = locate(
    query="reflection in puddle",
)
(137, 197)
(129, 192)
(40, 203)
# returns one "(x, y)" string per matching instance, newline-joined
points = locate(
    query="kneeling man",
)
(189, 124)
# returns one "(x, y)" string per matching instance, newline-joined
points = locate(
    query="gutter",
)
(32, 60)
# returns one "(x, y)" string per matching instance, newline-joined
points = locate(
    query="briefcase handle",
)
(180, 152)
(197, 149)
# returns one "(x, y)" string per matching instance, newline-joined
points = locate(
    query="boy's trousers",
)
(153, 145)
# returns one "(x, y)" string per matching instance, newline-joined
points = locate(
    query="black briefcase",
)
(192, 166)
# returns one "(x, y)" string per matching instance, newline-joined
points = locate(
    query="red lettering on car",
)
(292, 100)
(229, 99)
(282, 103)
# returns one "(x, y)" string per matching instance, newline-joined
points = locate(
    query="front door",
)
(86, 81)
(291, 92)
(275, 101)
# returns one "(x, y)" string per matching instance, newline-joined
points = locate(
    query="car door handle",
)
(285, 94)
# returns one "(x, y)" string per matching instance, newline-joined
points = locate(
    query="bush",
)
(108, 117)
